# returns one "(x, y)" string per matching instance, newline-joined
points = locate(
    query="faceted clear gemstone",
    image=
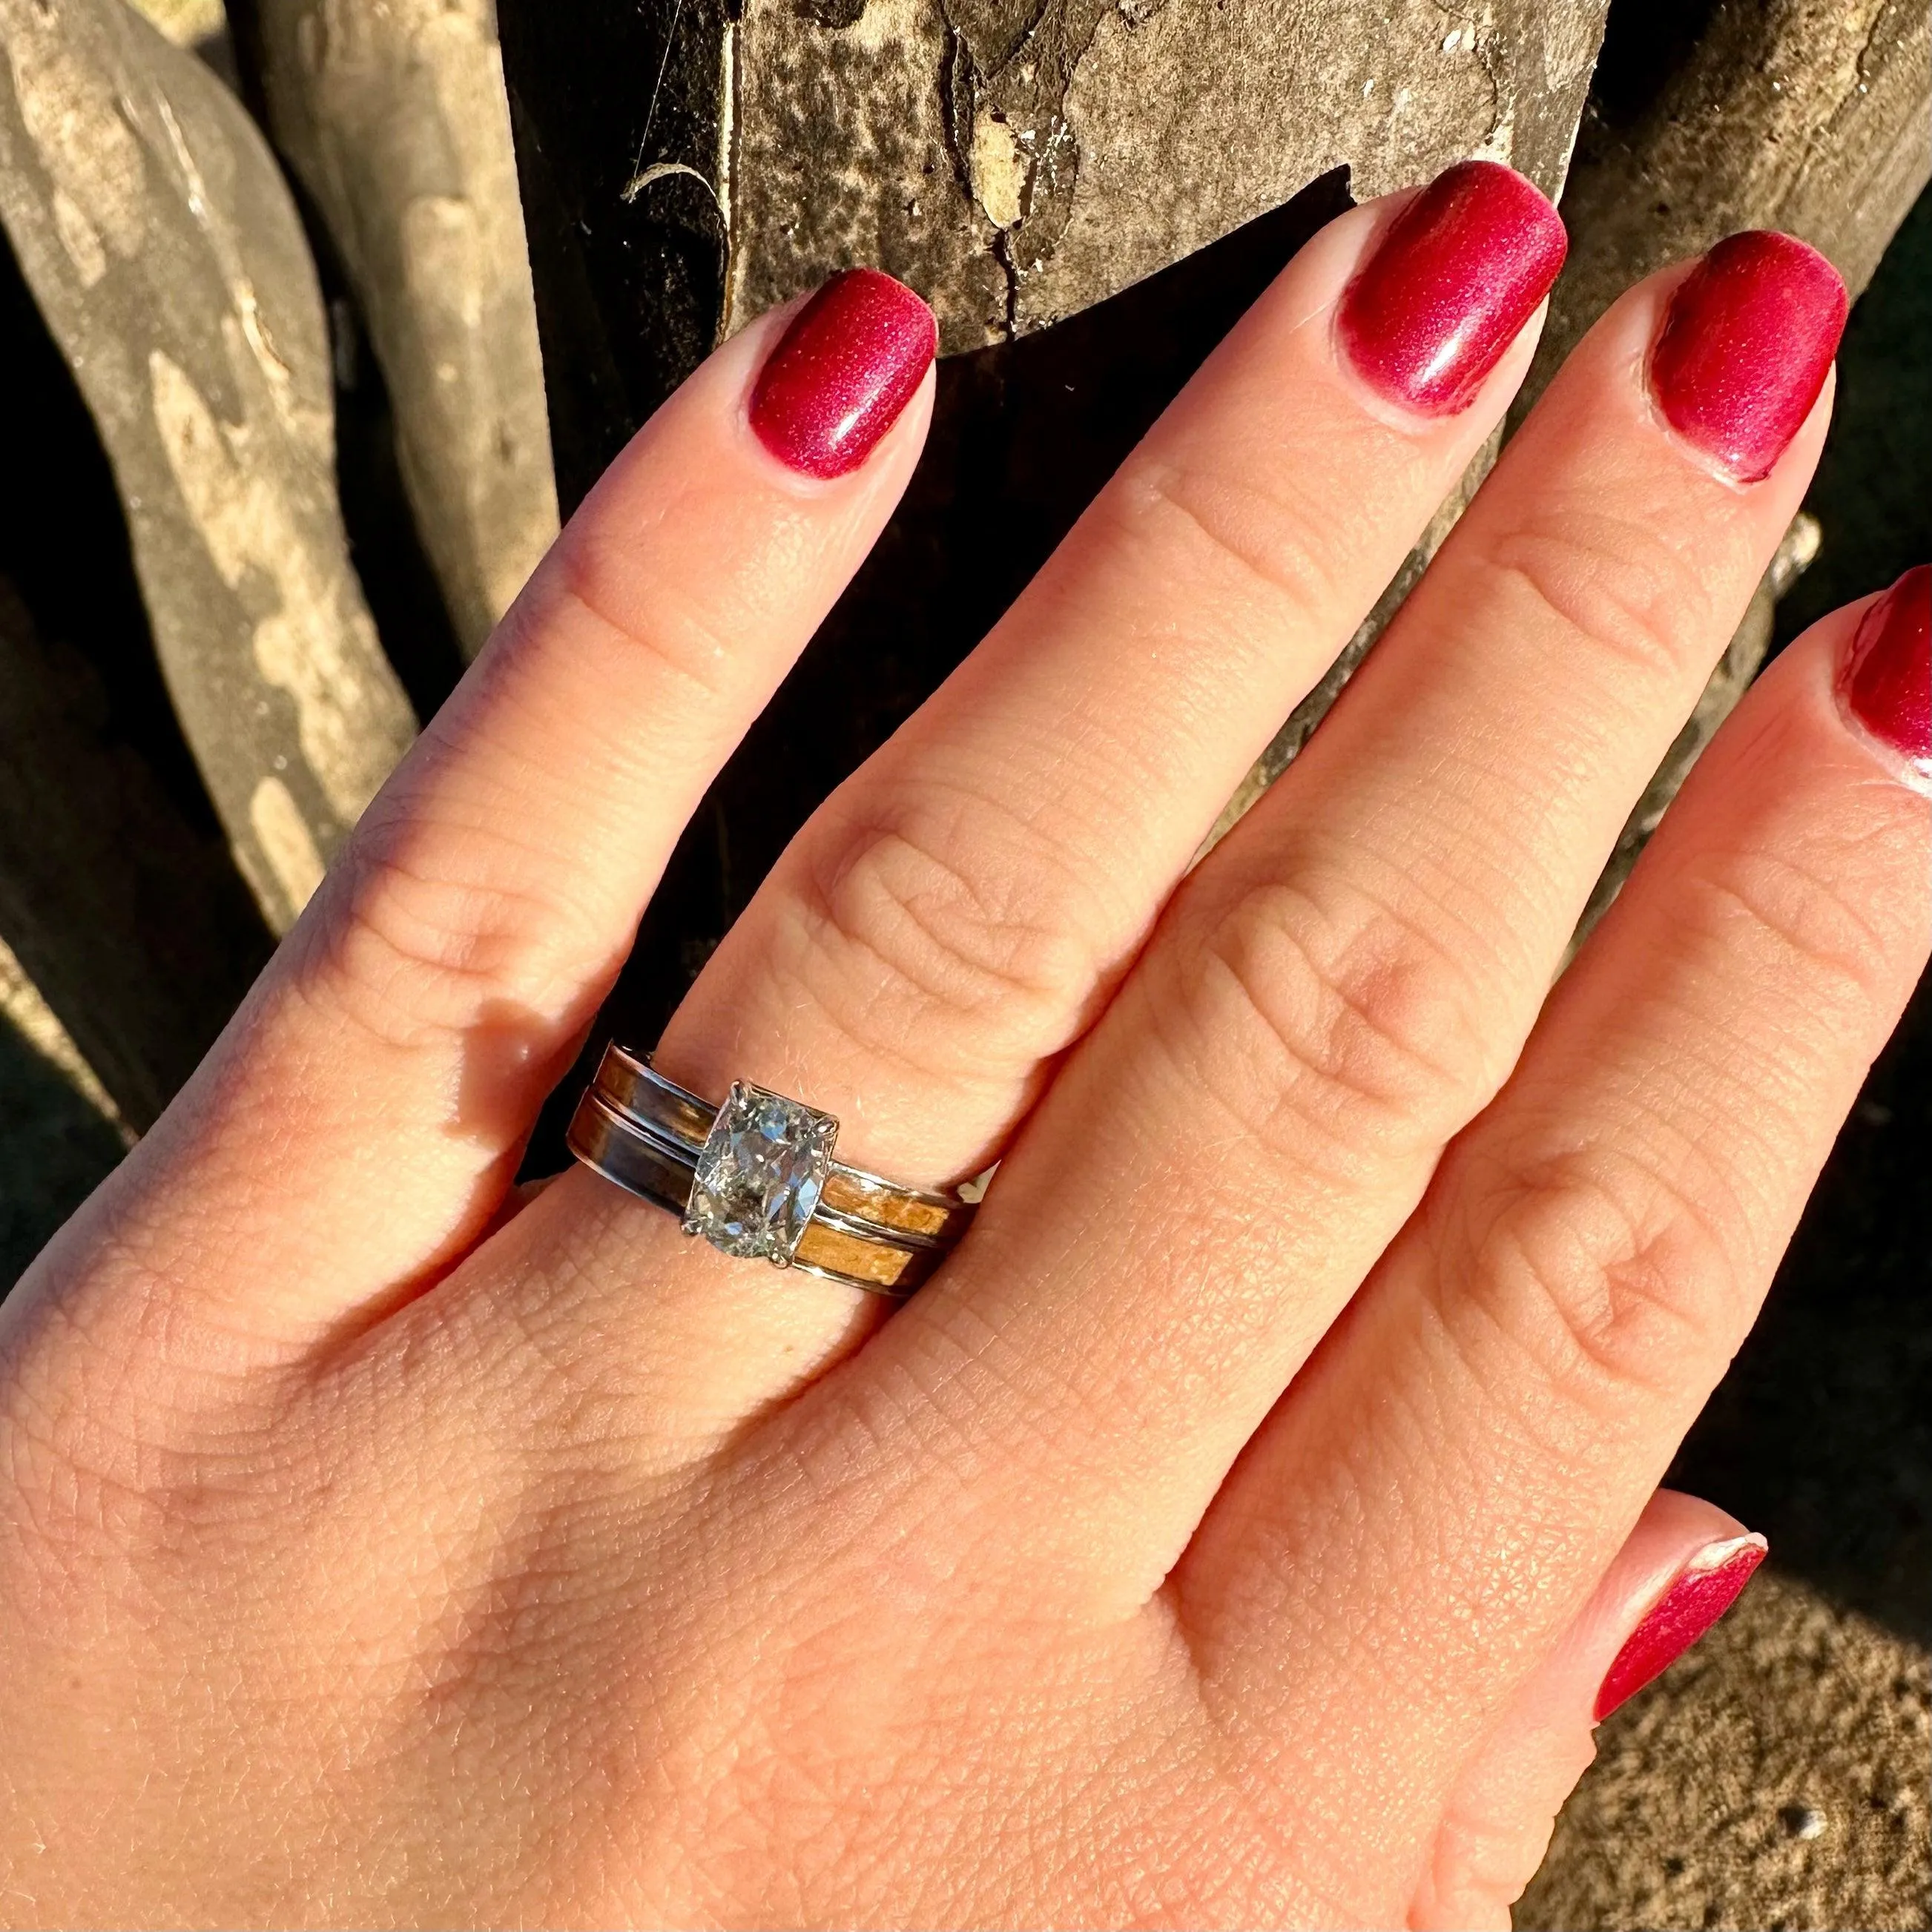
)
(760, 1175)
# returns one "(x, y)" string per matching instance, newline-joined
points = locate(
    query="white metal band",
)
(646, 1134)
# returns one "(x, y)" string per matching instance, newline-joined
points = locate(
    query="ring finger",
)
(955, 916)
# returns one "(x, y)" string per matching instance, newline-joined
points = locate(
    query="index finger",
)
(382, 1075)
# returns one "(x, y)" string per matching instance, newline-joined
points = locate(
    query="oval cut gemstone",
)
(760, 1175)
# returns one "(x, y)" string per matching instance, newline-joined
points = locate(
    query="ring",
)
(756, 1178)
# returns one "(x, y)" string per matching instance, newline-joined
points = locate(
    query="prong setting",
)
(646, 1134)
(761, 1175)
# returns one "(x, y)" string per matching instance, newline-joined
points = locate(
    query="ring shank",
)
(645, 1133)
(633, 1086)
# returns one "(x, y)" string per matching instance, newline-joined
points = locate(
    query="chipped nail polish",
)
(1886, 677)
(850, 362)
(1699, 1594)
(1463, 267)
(1745, 347)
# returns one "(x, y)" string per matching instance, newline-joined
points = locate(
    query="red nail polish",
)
(844, 370)
(1745, 347)
(1462, 268)
(1702, 1590)
(1886, 677)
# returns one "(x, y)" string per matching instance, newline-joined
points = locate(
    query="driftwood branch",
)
(158, 239)
(392, 114)
(122, 912)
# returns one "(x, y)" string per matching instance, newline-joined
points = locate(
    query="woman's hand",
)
(1245, 1524)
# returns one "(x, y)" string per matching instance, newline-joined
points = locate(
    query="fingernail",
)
(841, 372)
(1886, 677)
(1746, 345)
(1449, 288)
(1699, 1594)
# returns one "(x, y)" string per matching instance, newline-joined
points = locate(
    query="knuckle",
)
(1311, 1004)
(1287, 551)
(590, 571)
(1620, 584)
(1805, 930)
(1611, 1279)
(421, 937)
(947, 927)
(119, 1441)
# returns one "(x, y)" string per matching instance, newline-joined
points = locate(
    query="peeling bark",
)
(161, 244)
(393, 116)
(1024, 161)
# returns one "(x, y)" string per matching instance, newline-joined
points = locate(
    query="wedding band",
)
(755, 1177)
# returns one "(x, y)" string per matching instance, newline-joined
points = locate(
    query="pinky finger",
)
(1679, 1571)
(1471, 1446)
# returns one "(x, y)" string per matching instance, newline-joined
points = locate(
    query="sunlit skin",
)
(1244, 1524)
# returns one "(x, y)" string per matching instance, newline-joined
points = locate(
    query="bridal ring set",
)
(755, 1177)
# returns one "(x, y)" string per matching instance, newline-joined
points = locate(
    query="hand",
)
(1246, 1524)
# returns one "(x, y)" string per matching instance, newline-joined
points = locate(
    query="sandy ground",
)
(1775, 1777)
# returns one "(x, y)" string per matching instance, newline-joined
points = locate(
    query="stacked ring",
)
(756, 1178)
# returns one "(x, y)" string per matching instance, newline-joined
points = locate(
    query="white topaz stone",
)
(760, 1175)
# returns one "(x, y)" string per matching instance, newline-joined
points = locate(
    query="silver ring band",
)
(756, 1177)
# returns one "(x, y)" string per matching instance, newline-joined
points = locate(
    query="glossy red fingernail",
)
(841, 372)
(1746, 345)
(1886, 677)
(1459, 272)
(1701, 1591)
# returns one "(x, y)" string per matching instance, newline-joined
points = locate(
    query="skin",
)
(379, 1547)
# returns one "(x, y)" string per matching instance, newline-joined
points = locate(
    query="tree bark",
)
(160, 244)
(1026, 161)
(1812, 116)
(392, 114)
(1015, 162)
